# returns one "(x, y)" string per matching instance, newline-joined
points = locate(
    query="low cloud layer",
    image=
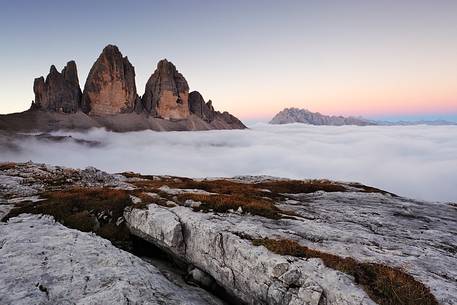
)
(414, 161)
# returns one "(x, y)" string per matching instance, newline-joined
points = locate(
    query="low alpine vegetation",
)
(385, 285)
(256, 198)
(85, 209)
(7, 166)
(224, 203)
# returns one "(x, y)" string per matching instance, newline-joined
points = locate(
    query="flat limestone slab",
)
(43, 262)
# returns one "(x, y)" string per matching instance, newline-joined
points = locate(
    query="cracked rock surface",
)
(43, 262)
(253, 274)
(415, 236)
(343, 219)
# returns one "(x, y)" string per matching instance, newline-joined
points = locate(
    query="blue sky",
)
(253, 58)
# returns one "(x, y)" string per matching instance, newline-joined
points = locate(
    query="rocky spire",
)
(70, 73)
(198, 106)
(167, 93)
(60, 91)
(110, 89)
(110, 86)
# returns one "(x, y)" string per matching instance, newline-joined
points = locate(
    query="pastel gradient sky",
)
(379, 59)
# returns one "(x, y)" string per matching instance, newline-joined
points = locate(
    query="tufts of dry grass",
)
(385, 285)
(223, 203)
(370, 189)
(146, 199)
(229, 187)
(78, 208)
(7, 166)
(251, 197)
(298, 186)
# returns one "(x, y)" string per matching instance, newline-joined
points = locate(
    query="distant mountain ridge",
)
(296, 115)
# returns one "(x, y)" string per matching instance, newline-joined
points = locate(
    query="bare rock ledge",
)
(211, 227)
(253, 274)
(43, 262)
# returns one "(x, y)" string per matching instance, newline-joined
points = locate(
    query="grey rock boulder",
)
(44, 262)
(251, 274)
(417, 237)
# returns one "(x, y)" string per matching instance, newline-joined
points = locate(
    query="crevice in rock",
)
(166, 261)
(120, 236)
(44, 289)
(183, 230)
(322, 299)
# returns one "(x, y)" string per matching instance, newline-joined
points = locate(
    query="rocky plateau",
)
(71, 236)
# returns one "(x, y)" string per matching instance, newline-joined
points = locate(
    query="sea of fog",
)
(413, 161)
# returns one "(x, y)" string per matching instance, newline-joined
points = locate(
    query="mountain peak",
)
(296, 115)
(110, 89)
(167, 92)
(110, 86)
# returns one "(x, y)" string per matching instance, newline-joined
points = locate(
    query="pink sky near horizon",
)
(425, 108)
(370, 108)
(251, 58)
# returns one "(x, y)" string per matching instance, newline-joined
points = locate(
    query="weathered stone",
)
(229, 119)
(110, 86)
(44, 262)
(252, 274)
(169, 227)
(60, 92)
(70, 73)
(198, 106)
(110, 100)
(417, 237)
(206, 112)
(167, 93)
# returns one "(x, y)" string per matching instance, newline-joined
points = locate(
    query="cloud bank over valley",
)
(413, 161)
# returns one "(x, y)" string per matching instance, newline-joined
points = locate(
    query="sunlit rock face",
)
(60, 92)
(110, 87)
(167, 93)
(110, 100)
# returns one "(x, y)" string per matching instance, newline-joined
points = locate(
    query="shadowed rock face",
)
(110, 86)
(230, 119)
(198, 106)
(167, 93)
(60, 92)
(70, 73)
(206, 112)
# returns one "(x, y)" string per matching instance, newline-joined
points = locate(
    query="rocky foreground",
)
(88, 237)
